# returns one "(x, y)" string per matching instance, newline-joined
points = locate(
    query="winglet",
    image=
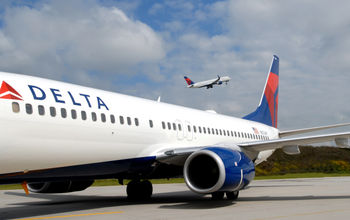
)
(266, 112)
(188, 80)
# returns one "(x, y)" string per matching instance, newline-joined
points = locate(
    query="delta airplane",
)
(58, 137)
(208, 83)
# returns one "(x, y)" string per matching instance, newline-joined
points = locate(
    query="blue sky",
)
(144, 48)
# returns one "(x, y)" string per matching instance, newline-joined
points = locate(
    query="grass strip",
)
(113, 182)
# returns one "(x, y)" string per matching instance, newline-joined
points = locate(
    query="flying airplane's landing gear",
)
(229, 195)
(139, 190)
(232, 195)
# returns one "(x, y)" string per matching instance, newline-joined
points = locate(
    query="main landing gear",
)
(139, 190)
(229, 195)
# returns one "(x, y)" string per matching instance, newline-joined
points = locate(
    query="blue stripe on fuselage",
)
(110, 169)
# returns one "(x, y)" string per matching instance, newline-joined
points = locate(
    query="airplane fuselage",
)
(59, 125)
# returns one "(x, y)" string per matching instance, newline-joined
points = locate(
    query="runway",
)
(317, 198)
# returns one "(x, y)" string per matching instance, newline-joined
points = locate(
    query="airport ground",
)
(302, 198)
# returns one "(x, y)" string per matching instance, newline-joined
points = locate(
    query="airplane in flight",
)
(208, 83)
(58, 137)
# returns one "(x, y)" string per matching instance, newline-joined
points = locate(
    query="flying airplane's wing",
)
(306, 130)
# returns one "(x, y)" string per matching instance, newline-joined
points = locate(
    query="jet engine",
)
(59, 187)
(216, 169)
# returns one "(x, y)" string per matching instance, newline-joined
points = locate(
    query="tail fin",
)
(266, 112)
(188, 80)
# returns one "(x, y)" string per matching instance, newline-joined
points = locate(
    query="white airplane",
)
(207, 83)
(58, 137)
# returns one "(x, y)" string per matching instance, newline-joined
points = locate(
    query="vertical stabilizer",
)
(267, 110)
(188, 80)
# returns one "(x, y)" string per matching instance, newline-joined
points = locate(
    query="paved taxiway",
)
(319, 198)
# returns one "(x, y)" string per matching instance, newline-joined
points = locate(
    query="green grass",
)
(301, 175)
(112, 182)
(10, 187)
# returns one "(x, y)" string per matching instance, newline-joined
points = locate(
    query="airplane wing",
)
(341, 140)
(208, 83)
(306, 130)
(177, 156)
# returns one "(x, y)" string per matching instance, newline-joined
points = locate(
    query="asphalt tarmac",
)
(317, 198)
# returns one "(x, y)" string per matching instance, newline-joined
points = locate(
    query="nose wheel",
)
(139, 190)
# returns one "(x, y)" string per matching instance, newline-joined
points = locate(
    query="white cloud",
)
(68, 37)
(310, 37)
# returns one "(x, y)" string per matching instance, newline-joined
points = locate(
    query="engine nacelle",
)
(59, 187)
(218, 169)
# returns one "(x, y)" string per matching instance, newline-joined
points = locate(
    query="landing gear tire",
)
(139, 190)
(232, 195)
(217, 195)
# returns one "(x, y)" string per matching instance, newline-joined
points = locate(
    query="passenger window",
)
(220, 132)
(204, 130)
(93, 116)
(128, 120)
(179, 127)
(194, 129)
(63, 113)
(121, 120)
(15, 107)
(212, 131)
(83, 115)
(174, 126)
(41, 110)
(235, 134)
(163, 124)
(29, 109)
(224, 132)
(136, 121)
(199, 129)
(112, 119)
(208, 130)
(53, 111)
(189, 128)
(103, 117)
(74, 114)
(150, 123)
(169, 126)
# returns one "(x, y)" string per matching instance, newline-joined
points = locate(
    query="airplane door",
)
(180, 129)
(188, 131)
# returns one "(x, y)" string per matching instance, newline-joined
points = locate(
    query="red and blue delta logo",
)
(7, 92)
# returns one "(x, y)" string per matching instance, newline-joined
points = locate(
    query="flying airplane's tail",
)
(188, 80)
(266, 112)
